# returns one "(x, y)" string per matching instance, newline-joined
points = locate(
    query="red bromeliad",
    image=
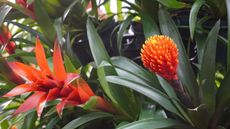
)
(46, 85)
(5, 36)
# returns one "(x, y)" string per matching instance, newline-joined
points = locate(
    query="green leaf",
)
(155, 123)
(119, 96)
(66, 45)
(193, 16)
(218, 7)
(69, 65)
(138, 71)
(68, 9)
(150, 110)
(119, 10)
(149, 25)
(29, 121)
(107, 7)
(121, 31)
(173, 4)
(4, 10)
(122, 98)
(52, 123)
(228, 15)
(85, 119)
(133, 6)
(150, 8)
(91, 103)
(69, 52)
(208, 69)
(200, 39)
(185, 72)
(170, 92)
(44, 22)
(4, 124)
(96, 45)
(200, 116)
(22, 40)
(31, 31)
(147, 90)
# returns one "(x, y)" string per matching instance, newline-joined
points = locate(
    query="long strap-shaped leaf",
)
(141, 76)
(185, 72)
(121, 97)
(147, 90)
(121, 31)
(155, 123)
(44, 22)
(149, 25)
(207, 71)
(193, 16)
(85, 119)
(172, 3)
(4, 10)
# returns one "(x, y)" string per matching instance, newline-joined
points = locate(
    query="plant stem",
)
(182, 94)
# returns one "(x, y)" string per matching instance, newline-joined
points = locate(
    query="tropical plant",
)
(157, 65)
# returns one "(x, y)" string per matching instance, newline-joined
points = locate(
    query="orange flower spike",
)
(160, 55)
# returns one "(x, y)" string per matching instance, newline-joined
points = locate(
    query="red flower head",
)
(5, 36)
(25, 4)
(28, 8)
(160, 55)
(46, 85)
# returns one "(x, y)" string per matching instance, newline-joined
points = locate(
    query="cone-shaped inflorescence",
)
(160, 55)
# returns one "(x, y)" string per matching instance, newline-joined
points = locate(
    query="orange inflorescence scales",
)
(160, 55)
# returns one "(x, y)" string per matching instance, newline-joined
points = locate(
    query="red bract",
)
(24, 4)
(46, 85)
(5, 36)
(28, 8)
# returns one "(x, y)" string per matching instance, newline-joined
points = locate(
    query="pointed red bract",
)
(5, 36)
(20, 89)
(28, 8)
(70, 78)
(30, 103)
(59, 68)
(25, 71)
(41, 57)
(85, 87)
(53, 94)
(41, 105)
(60, 107)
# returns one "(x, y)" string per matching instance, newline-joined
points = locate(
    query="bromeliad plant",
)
(169, 89)
(47, 85)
